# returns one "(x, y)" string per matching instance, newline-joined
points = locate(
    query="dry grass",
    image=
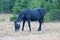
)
(50, 31)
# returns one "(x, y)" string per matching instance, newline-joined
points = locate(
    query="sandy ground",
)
(50, 31)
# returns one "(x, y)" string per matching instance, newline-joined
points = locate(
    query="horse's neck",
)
(18, 20)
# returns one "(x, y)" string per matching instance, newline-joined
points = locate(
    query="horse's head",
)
(17, 25)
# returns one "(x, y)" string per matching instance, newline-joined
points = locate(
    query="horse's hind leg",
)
(40, 23)
(23, 25)
(29, 24)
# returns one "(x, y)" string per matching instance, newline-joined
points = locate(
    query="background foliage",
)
(16, 6)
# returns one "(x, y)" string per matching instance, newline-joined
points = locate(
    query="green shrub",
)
(52, 16)
(47, 17)
(13, 18)
(55, 15)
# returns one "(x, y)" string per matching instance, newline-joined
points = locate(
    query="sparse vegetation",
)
(2, 20)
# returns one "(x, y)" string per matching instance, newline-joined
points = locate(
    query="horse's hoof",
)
(22, 30)
(39, 30)
(29, 30)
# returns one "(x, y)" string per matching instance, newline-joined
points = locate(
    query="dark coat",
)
(30, 15)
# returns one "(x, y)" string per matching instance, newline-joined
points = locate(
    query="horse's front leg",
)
(29, 24)
(23, 25)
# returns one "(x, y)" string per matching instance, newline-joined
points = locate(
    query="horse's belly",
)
(35, 18)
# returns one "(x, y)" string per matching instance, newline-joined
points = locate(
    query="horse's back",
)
(33, 14)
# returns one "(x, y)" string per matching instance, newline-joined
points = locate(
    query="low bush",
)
(13, 17)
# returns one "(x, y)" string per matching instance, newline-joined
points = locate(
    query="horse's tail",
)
(20, 17)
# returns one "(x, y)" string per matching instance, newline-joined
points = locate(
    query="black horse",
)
(30, 15)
